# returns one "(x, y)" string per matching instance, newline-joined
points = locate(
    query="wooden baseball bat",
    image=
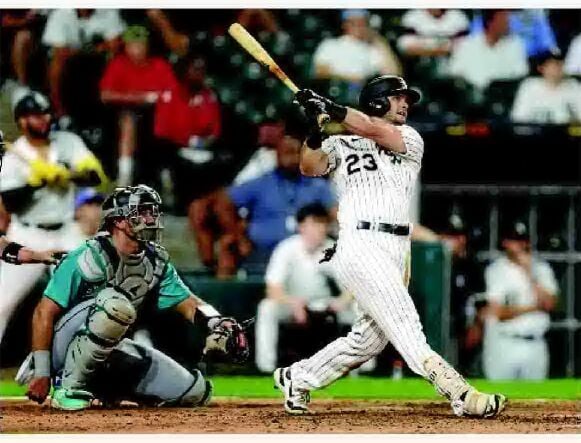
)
(255, 49)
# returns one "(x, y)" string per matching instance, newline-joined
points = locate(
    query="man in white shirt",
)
(296, 283)
(549, 98)
(490, 55)
(69, 30)
(357, 54)
(573, 59)
(521, 291)
(432, 33)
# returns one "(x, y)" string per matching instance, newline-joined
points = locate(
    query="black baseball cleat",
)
(495, 405)
(295, 401)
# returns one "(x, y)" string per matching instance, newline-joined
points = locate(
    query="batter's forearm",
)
(386, 135)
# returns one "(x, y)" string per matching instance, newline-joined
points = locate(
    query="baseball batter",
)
(37, 185)
(374, 170)
(82, 324)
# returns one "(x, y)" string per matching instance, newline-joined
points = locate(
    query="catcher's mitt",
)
(227, 340)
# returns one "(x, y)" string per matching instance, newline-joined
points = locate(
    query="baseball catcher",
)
(83, 323)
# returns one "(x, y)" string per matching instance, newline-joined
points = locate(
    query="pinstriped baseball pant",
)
(371, 266)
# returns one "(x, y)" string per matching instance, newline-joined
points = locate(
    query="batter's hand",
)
(38, 389)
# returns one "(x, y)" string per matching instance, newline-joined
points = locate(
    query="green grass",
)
(377, 388)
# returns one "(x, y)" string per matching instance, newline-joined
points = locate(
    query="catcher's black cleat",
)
(295, 401)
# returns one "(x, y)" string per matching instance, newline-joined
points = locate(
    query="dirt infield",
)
(267, 416)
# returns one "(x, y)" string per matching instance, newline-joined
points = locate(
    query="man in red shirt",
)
(192, 116)
(134, 81)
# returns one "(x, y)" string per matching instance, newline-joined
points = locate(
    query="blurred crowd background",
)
(167, 98)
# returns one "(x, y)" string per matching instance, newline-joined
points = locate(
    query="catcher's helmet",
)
(32, 102)
(373, 99)
(140, 206)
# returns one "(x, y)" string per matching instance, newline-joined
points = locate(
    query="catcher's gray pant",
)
(141, 372)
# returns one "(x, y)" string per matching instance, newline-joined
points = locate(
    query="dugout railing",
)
(553, 215)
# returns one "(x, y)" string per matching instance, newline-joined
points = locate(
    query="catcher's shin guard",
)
(106, 325)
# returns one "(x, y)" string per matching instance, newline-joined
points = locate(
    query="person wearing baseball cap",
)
(521, 291)
(88, 212)
(135, 82)
(550, 98)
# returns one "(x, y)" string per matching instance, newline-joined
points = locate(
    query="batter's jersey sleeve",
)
(64, 285)
(414, 144)
(172, 289)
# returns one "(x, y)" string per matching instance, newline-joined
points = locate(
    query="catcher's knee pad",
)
(106, 324)
(447, 381)
(111, 316)
(199, 394)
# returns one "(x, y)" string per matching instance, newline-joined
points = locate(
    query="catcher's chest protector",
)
(134, 276)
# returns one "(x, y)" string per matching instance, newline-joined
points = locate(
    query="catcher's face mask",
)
(145, 221)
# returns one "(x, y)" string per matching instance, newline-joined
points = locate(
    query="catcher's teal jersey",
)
(89, 268)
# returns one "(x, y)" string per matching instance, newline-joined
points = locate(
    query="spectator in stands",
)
(490, 55)
(191, 117)
(432, 33)
(531, 25)
(521, 292)
(258, 20)
(269, 203)
(550, 98)
(297, 284)
(357, 54)
(135, 80)
(263, 160)
(87, 213)
(18, 30)
(69, 31)
(573, 59)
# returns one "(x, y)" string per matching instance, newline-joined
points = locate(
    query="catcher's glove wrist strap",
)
(41, 360)
(10, 253)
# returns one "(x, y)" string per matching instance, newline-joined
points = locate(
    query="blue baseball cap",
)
(88, 196)
(354, 13)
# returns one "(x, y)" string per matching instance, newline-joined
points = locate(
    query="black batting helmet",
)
(373, 99)
(32, 102)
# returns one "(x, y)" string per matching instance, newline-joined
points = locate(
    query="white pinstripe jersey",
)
(373, 184)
